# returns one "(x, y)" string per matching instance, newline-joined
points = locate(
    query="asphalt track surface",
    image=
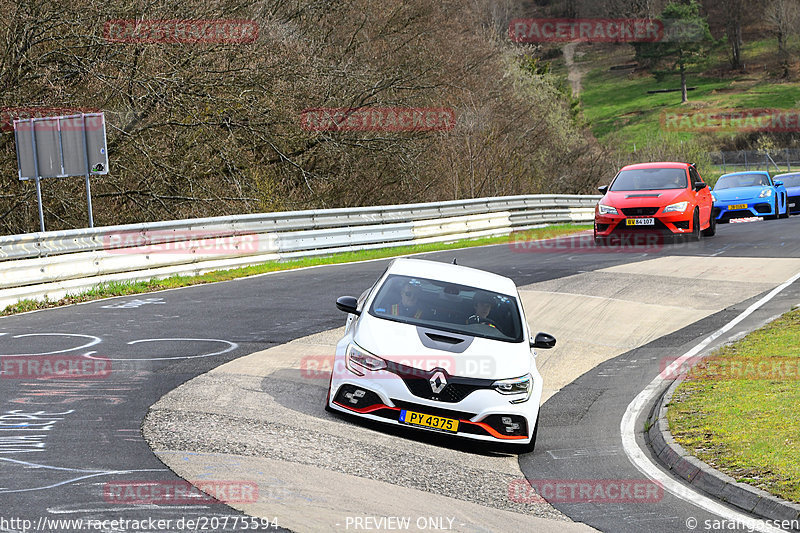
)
(88, 431)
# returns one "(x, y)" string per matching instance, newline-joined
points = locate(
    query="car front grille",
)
(763, 208)
(419, 384)
(639, 211)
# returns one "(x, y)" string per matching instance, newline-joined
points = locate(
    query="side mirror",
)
(603, 189)
(700, 185)
(348, 304)
(543, 340)
(778, 183)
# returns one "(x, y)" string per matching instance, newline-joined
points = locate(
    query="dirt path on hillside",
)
(574, 72)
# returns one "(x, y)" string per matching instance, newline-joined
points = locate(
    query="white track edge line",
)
(643, 463)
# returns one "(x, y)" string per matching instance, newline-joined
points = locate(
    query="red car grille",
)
(639, 211)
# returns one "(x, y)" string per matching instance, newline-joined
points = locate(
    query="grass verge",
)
(739, 413)
(106, 290)
(616, 103)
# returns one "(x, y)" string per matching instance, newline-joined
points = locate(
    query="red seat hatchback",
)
(663, 199)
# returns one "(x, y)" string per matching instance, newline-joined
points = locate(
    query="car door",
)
(703, 196)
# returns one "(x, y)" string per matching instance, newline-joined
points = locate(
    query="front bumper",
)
(664, 224)
(754, 207)
(793, 205)
(484, 415)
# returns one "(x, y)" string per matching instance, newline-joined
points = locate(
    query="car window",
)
(694, 174)
(792, 180)
(742, 180)
(649, 179)
(448, 307)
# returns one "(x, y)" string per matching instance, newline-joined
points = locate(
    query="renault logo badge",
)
(438, 382)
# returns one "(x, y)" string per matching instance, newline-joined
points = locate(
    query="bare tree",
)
(213, 128)
(734, 10)
(784, 17)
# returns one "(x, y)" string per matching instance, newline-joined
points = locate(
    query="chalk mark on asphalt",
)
(89, 474)
(231, 346)
(95, 340)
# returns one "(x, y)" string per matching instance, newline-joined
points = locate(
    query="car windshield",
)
(751, 179)
(650, 179)
(448, 307)
(790, 180)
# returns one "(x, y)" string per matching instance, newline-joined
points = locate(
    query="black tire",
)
(528, 448)
(712, 227)
(696, 226)
(723, 221)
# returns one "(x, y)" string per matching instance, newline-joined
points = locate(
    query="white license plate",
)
(640, 222)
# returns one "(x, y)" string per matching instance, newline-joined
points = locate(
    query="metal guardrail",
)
(52, 264)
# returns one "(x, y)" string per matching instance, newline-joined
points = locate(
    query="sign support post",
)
(37, 179)
(88, 187)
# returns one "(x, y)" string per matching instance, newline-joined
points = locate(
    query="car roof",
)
(454, 273)
(746, 172)
(662, 164)
(787, 174)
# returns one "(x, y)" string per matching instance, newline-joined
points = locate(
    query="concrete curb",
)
(705, 478)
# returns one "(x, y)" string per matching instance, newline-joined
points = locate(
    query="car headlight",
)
(765, 193)
(679, 207)
(607, 210)
(356, 357)
(713, 197)
(523, 385)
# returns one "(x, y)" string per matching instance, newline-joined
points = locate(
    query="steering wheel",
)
(477, 319)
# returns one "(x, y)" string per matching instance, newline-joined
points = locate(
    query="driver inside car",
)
(409, 304)
(482, 303)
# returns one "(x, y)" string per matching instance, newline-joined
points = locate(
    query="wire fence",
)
(783, 160)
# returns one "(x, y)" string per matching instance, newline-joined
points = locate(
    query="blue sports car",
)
(749, 194)
(791, 181)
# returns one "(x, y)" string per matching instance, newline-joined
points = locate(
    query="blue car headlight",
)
(765, 193)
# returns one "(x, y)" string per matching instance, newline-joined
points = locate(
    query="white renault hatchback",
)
(440, 347)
